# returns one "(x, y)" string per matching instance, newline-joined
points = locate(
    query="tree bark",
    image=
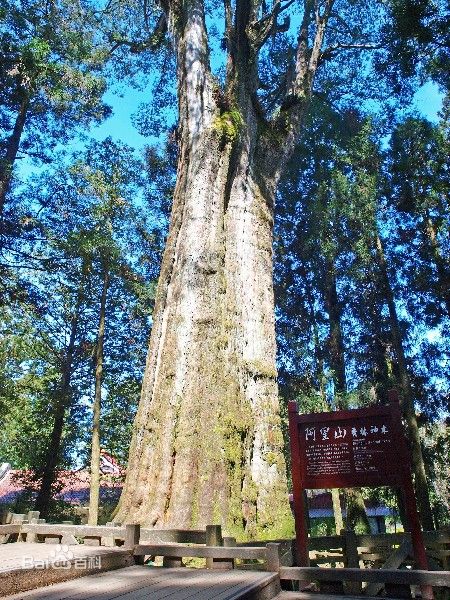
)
(207, 443)
(62, 401)
(12, 148)
(356, 512)
(442, 266)
(94, 490)
(335, 340)
(409, 413)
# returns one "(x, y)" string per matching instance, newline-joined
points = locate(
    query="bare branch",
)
(328, 52)
(261, 30)
(153, 42)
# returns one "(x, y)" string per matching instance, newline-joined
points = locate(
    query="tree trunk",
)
(62, 401)
(94, 490)
(207, 443)
(442, 266)
(409, 413)
(12, 148)
(356, 512)
(335, 343)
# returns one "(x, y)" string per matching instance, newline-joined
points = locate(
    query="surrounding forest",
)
(283, 235)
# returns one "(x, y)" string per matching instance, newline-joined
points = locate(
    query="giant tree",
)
(207, 442)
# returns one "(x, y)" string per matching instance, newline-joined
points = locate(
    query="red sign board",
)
(349, 448)
(353, 448)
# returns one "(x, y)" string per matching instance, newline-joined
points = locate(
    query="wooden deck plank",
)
(12, 555)
(177, 584)
(100, 585)
(26, 566)
(207, 583)
(139, 582)
(160, 583)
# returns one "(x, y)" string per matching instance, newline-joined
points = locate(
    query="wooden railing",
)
(370, 559)
(367, 551)
(404, 576)
(30, 528)
(217, 557)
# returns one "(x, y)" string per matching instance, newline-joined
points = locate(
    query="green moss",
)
(272, 458)
(259, 368)
(228, 125)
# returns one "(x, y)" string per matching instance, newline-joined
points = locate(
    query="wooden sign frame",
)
(386, 466)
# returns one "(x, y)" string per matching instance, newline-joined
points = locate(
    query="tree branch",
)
(328, 52)
(259, 31)
(153, 42)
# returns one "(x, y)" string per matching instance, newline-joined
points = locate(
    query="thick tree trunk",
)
(94, 490)
(12, 147)
(208, 445)
(62, 401)
(409, 413)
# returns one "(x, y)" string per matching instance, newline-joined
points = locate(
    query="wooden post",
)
(19, 518)
(213, 538)
(171, 562)
(351, 559)
(273, 557)
(31, 535)
(33, 514)
(132, 537)
(301, 558)
(409, 498)
(229, 542)
(108, 541)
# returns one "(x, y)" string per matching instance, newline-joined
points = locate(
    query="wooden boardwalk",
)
(28, 566)
(156, 583)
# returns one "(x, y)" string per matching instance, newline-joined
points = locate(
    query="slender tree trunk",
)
(418, 464)
(12, 147)
(94, 492)
(318, 350)
(62, 401)
(442, 266)
(356, 512)
(337, 509)
(335, 341)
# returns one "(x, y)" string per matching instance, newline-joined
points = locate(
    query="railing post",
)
(31, 535)
(213, 538)
(20, 519)
(132, 537)
(228, 542)
(33, 514)
(108, 541)
(351, 559)
(273, 557)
